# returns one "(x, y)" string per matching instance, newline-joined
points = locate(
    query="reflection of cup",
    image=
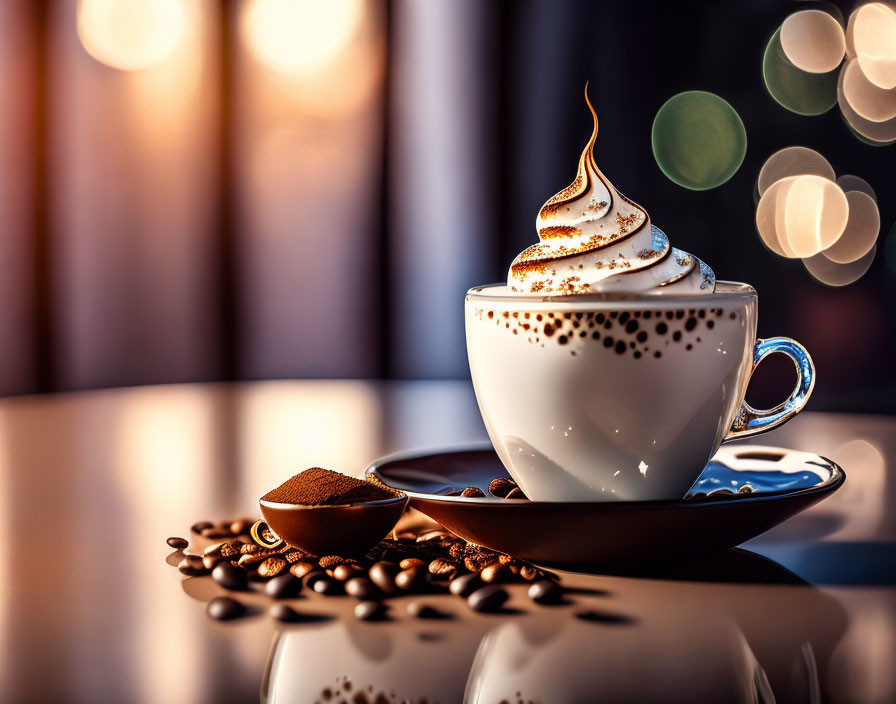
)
(671, 657)
(391, 662)
(619, 397)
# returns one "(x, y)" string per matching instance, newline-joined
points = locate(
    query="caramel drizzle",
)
(582, 182)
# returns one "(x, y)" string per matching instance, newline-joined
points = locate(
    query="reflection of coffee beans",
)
(283, 586)
(487, 599)
(370, 611)
(545, 592)
(223, 608)
(229, 576)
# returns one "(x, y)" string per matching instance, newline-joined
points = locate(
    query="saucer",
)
(743, 491)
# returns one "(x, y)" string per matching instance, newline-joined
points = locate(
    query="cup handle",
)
(750, 421)
(258, 531)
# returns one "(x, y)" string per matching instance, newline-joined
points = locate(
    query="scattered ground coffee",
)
(323, 487)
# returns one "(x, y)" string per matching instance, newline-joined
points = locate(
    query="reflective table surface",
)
(91, 485)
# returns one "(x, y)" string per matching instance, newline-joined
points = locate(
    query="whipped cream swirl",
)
(594, 239)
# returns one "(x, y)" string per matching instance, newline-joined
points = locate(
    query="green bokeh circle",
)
(799, 91)
(698, 139)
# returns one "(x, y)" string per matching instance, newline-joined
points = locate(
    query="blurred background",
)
(196, 190)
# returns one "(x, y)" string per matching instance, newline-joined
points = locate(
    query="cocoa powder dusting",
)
(323, 487)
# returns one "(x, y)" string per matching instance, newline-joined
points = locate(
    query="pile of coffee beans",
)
(408, 563)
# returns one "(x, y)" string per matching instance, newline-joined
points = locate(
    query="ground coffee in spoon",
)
(323, 487)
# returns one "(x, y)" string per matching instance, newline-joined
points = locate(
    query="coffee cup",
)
(619, 397)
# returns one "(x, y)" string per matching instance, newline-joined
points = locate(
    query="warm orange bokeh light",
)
(130, 34)
(813, 41)
(860, 233)
(792, 161)
(880, 133)
(815, 214)
(872, 33)
(868, 100)
(299, 35)
(834, 274)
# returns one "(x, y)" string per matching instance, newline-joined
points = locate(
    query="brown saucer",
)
(337, 529)
(776, 484)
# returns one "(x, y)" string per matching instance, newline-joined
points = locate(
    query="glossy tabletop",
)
(91, 484)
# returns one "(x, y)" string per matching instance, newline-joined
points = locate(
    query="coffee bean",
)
(431, 535)
(177, 543)
(410, 563)
(311, 577)
(487, 599)
(495, 573)
(215, 533)
(283, 586)
(545, 592)
(300, 569)
(465, 584)
(457, 550)
(253, 559)
(414, 579)
(517, 494)
(362, 588)
(241, 526)
(213, 549)
(272, 566)
(501, 486)
(418, 609)
(327, 586)
(201, 526)
(472, 491)
(231, 549)
(249, 549)
(285, 613)
(192, 566)
(223, 608)
(328, 562)
(346, 572)
(370, 611)
(442, 568)
(382, 574)
(294, 556)
(529, 573)
(210, 561)
(229, 576)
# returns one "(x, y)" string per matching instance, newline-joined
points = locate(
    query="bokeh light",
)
(792, 161)
(815, 214)
(813, 41)
(770, 212)
(850, 182)
(130, 34)
(875, 133)
(293, 36)
(860, 233)
(698, 140)
(872, 29)
(865, 98)
(799, 91)
(830, 273)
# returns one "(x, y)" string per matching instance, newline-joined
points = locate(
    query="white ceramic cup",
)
(619, 397)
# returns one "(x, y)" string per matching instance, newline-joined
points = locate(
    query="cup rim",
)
(725, 290)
